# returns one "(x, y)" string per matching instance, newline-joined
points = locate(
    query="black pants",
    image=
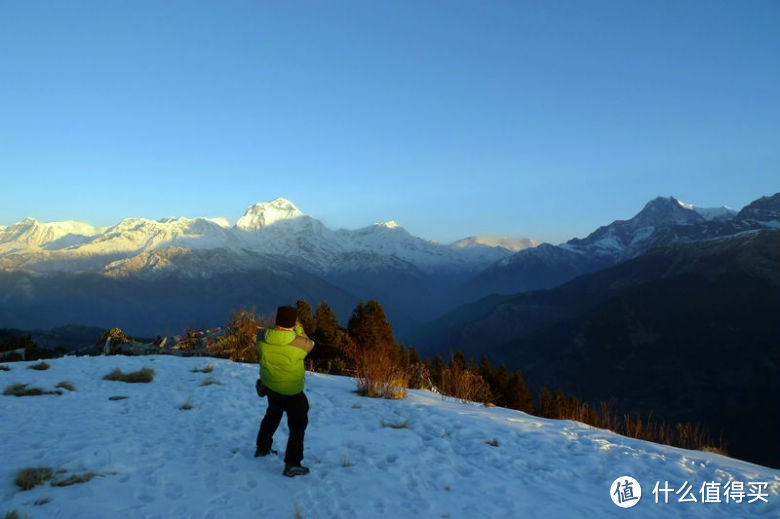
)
(297, 409)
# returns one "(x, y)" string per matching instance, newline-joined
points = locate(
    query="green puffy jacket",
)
(281, 359)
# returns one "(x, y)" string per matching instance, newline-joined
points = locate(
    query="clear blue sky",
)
(542, 119)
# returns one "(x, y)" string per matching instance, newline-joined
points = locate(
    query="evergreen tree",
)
(518, 395)
(490, 375)
(304, 315)
(325, 321)
(414, 357)
(437, 371)
(368, 327)
(559, 404)
(403, 358)
(458, 361)
(546, 403)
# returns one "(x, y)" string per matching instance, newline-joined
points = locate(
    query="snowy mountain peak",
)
(262, 215)
(505, 242)
(390, 224)
(667, 211)
(32, 234)
(710, 213)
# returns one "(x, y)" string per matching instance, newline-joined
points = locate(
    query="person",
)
(281, 351)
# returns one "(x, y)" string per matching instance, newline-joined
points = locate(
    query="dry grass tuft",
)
(23, 390)
(74, 479)
(41, 366)
(186, 406)
(41, 502)
(346, 460)
(715, 450)
(31, 477)
(3, 367)
(492, 443)
(13, 514)
(66, 385)
(143, 375)
(211, 381)
(208, 368)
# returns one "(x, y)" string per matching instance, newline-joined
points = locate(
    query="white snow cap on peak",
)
(267, 213)
(710, 213)
(390, 224)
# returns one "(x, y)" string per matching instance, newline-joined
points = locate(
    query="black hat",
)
(286, 316)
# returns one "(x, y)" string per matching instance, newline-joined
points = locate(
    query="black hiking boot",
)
(294, 470)
(259, 453)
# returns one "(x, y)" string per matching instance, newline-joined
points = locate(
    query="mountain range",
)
(686, 330)
(199, 269)
(663, 220)
(273, 229)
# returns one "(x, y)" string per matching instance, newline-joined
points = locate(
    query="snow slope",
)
(157, 461)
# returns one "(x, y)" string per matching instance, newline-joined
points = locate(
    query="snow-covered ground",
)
(444, 459)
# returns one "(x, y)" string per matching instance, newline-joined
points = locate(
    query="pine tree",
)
(414, 357)
(490, 374)
(559, 404)
(403, 357)
(518, 395)
(546, 403)
(458, 361)
(437, 371)
(304, 316)
(368, 327)
(325, 321)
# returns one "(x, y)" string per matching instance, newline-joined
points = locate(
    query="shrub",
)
(464, 384)
(239, 342)
(13, 514)
(3, 367)
(114, 337)
(419, 376)
(118, 397)
(66, 385)
(186, 406)
(208, 368)
(377, 373)
(143, 375)
(684, 435)
(30, 477)
(41, 366)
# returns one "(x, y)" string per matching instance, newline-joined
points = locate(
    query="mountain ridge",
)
(275, 227)
(661, 221)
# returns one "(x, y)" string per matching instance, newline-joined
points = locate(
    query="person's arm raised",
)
(303, 343)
